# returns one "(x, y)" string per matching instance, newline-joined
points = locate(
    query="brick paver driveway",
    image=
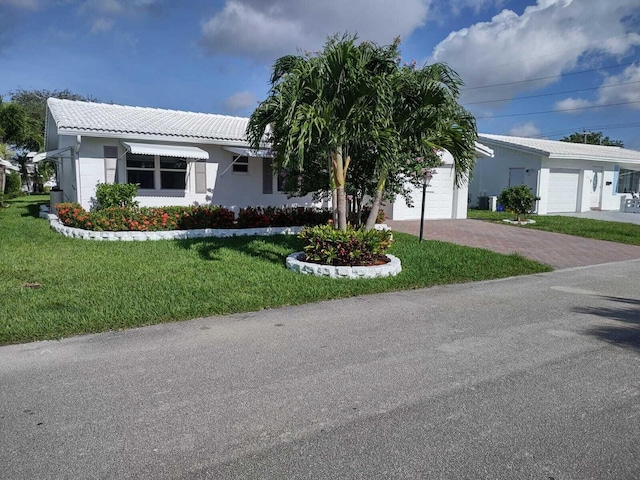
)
(555, 249)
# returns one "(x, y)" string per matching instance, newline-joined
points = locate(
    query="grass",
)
(581, 227)
(91, 286)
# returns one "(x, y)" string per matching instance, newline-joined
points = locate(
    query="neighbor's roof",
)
(100, 119)
(557, 149)
(9, 165)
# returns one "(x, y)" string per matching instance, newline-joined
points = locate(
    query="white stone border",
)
(521, 222)
(390, 269)
(127, 236)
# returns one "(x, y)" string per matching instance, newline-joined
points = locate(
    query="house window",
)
(240, 164)
(155, 172)
(628, 181)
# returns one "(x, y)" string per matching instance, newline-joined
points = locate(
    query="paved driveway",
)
(555, 249)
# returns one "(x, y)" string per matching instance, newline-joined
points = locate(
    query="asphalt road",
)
(532, 377)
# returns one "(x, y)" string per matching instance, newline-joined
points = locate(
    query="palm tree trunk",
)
(340, 166)
(334, 194)
(377, 200)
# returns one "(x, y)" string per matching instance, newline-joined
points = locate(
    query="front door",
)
(596, 188)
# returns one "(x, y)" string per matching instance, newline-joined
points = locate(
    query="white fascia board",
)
(156, 138)
(592, 158)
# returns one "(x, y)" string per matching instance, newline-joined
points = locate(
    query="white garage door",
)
(563, 190)
(439, 199)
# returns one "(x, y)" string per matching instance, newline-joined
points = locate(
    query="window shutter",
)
(267, 176)
(110, 164)
(201, 177)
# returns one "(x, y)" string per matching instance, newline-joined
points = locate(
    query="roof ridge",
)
(137, 107)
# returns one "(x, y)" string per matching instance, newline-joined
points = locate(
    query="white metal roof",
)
(179, 151)
(557, 149)
(101, 119)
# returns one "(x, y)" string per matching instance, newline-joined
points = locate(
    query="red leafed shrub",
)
(252, 217)
(186, 218)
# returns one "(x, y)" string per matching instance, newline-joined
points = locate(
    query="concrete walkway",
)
(555, 249)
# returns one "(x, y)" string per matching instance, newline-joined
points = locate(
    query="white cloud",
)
(525, 130)
(101, 25)
(547, 39)
(240, 101)
(266, 29)
(610, 92)
(615, 89)
(572, 104)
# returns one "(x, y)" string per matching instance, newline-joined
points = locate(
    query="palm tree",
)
(352, 98)
(327, 100)
(424, 118)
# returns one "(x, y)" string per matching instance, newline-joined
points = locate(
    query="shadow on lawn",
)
(629, 313)
(33, 209)
(273, 248)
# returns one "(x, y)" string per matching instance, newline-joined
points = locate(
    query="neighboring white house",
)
(5, 167)
(568, 177)
(443, 199)
(185, 158)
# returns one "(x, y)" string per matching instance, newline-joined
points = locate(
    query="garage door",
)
(563, 190)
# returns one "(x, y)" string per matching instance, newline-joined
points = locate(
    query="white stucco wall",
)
(608, 201)
(491, 175)
(442, 200)
(225, 188)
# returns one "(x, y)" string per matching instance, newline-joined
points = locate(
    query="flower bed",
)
(296, 262)
(123, 219)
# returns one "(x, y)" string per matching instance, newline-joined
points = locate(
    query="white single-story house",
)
(443, 200)
(568, 177)
(176, 158)
(186, 158)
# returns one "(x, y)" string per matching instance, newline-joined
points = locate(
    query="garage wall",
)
(442, 201)
(491, 175)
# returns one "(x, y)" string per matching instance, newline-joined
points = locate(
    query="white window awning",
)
(180, 151)
(247, 152)
(9, 165)
(51, 154)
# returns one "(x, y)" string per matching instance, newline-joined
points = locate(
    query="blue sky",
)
(215, 56)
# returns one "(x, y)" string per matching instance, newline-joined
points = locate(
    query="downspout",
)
(76, 164)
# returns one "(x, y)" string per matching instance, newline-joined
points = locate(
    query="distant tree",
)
(592, 138)
(17, 129)
(34, 104)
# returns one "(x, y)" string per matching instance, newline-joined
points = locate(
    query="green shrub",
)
(254, 217)
(13, 185)
(518, 200)
(327, 245)
(46, 189)
(110, 195)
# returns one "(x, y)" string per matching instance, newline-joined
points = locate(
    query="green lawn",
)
(91, 286)
(581, 227)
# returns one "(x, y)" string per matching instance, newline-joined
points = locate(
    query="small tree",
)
(518, 200)
(12, 185)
